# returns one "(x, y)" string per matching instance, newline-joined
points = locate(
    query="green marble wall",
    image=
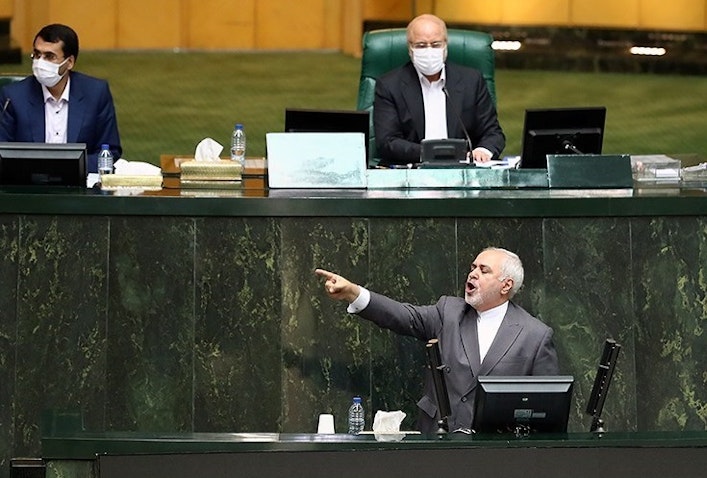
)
(218, 324)
(8, 336)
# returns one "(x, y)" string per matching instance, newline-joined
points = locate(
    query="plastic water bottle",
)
(238, 144)
(105, 160)
(357, 417)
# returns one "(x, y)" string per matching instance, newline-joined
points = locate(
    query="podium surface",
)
(610, 455)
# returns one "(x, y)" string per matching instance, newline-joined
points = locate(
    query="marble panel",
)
(670, 288)
(588, 298)
(150, 324)
(238, 379)
(9, 226)
(61, 321)
(325, 351)
(411, 260)
(219, 324)
(71, 469)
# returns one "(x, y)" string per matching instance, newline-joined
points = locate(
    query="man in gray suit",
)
(482, 334)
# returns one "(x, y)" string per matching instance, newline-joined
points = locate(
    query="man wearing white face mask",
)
(57, 104)
(418, 101)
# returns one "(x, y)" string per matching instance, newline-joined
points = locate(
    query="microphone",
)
(459, 118)
(3, 113)
(434, 362)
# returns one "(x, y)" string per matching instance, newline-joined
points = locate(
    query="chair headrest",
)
(385, 50)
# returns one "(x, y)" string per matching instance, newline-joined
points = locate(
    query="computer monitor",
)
(523, 405)
(561, 131)
(43, 164)
(328, 121)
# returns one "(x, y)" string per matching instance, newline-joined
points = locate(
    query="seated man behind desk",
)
(482, 334)
(411, 102)
(57, 104)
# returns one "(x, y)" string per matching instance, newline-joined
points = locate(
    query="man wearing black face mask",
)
(57, 104)
(411, 102)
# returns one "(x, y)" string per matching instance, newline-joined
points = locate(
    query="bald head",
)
(426, 25)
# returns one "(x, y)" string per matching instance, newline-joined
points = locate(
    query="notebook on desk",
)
(316, 160)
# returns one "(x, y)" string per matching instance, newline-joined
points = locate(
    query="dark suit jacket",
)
(523, 346)
(91, 115)
(399, 114)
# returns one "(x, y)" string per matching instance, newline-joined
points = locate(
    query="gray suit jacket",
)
(523, 346)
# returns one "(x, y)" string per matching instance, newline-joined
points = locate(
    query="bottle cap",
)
(239, 126)
(357, 399)
(105, 146)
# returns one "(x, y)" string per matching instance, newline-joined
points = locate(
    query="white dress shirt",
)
(487, 326)
(435, 102)
(56, 115)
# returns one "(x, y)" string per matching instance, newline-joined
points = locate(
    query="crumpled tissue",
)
(136, 168)
(208, 150)
(386, 425)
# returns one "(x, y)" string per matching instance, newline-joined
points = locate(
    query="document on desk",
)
(316, 160)
(509, 162)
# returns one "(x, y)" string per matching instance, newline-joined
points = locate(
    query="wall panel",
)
(472, 12)
(280, 26)
(135, 29)
(6, 8)
(316, 24)
(609, 13)
(674, 15)
(394, 9)
(537, 12)
(95, 23)
(221, 24)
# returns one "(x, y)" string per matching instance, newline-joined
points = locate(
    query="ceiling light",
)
(506, 45)
(647, 50)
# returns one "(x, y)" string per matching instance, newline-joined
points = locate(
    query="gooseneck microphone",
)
(3, 113)
(459, 118)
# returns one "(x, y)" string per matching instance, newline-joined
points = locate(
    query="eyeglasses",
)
(47, 55)
(435, 44)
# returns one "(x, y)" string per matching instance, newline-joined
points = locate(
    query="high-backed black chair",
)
(384, 50)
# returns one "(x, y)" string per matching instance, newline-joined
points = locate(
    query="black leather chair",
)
(384, 50)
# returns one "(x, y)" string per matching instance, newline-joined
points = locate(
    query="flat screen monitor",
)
(523, 405)
(561, 131)
(328, 121)
(43, 164)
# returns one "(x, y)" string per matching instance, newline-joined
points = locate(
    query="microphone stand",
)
(605, 371)
(569, 146)
(461, 122)
(437, 369)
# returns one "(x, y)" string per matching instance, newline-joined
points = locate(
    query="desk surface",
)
(87, 445)
(273, 455)
(354, 202)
